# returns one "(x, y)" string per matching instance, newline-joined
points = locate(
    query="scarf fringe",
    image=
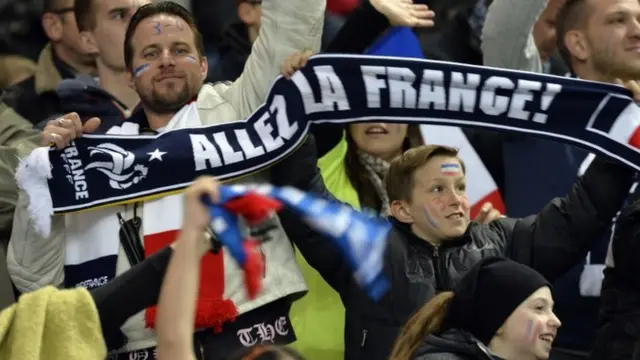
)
(32, 177)
(210, 313)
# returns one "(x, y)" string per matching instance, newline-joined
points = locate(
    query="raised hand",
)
(405, 13)
(487, 214)
(294, 62)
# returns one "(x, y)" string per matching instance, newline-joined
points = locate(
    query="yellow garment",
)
(52, 324)
(318, 318)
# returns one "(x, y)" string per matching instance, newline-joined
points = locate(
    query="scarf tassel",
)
(210, 313)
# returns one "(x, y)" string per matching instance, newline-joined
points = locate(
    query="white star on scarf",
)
(156, 154)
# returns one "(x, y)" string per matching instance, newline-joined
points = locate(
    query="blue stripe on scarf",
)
(361, 239)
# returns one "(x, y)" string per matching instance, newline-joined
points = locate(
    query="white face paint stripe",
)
(450, 169)
(141, 69)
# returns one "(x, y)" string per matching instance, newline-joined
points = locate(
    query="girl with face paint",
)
(477, 320)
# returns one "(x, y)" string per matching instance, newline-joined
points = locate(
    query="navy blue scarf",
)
(347, 88)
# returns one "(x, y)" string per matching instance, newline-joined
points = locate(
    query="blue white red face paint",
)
(139, 70)
(430, 218)
(451, 169)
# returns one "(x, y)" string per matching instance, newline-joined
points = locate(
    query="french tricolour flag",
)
(481, 187)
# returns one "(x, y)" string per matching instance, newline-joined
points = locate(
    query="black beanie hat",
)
(487, 295)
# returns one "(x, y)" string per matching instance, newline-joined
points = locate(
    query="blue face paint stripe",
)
(139, 69)
(430, 219)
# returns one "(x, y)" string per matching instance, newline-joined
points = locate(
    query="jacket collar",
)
(405, 230)
(50, 71)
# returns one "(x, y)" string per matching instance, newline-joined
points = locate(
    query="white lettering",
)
(249, 150)
(550, 92)
(332, 93)
(521, 96)
(264, 131)
(490, 102)
(401, 91)
(373, 84)
(462, 93)
(228, 155)
(279, 108)
(203, 152)
(432, 94)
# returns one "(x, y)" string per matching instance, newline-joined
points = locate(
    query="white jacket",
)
(287, 26)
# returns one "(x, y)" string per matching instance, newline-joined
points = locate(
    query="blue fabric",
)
(398, 41)
(362, 239)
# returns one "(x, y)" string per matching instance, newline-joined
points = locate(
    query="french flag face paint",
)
(139, 70)
(450, 169)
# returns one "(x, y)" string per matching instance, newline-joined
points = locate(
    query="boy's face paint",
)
(451, 169)
(141, 69)
(430, 218)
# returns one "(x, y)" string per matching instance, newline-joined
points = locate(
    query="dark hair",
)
(270, 352)
(149, 10)
(85, 14)
(571, 15)
(358, 175)
(50, 6)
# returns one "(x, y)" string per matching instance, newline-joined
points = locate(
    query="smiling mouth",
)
(455, 216)
(548, 338)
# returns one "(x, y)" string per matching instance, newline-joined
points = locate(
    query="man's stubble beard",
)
(159, 104)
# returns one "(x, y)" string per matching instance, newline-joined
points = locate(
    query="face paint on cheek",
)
(450, 169)
(139, 70)
(430, 218)
(191, 59)
(534, 330)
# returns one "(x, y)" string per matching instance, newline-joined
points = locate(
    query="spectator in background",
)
(537, 169)
(102, 25)
(479, 321)
(62, 58)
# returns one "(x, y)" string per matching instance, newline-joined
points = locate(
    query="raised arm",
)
(177, 303)
(507, 37)
(567, 228)
(287, 26)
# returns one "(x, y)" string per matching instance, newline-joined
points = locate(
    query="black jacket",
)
(84, 96)
(551, 242)
(453, 345)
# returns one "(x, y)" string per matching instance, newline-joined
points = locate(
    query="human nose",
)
(167, 59)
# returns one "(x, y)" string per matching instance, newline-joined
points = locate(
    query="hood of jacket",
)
(84, 96)
(453, 345)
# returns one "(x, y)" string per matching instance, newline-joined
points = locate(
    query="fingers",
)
(422, 15)
(91, 125)
(204, 186)
(632, 86)
(294, 62)
(61, 131)
(487, 214)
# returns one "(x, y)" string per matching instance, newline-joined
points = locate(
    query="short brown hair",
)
(149, 10)
(399, 179)
(571, 15)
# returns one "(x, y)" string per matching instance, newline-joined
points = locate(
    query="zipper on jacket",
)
(364, 337)
(437, 269)
(201, 350)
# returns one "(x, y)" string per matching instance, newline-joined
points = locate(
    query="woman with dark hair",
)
(500, 310)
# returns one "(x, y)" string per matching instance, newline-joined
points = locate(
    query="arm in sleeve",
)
(560, 236)
(507, 37)
(363, 26)
(287, 26)
(33, 260)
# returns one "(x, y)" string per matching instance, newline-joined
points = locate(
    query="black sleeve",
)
(299, 170)
(362, 28)
(131, 292)
(319, 251)
(559, 237)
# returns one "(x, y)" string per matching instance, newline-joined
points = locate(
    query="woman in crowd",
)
(479, 320)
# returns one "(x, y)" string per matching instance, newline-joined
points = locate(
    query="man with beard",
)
(165, 64)
(600, 41)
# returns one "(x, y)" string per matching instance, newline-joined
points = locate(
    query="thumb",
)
(91, 125)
